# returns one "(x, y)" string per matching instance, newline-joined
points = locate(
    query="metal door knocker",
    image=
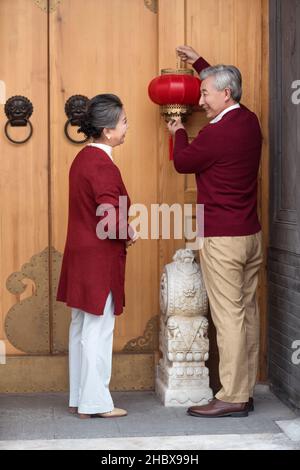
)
(18, 110)
(75, 109)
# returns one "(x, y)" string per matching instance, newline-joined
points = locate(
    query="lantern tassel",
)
(171, 147)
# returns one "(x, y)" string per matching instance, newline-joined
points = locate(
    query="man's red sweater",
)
(225, 158)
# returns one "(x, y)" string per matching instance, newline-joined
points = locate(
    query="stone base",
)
(183, 396)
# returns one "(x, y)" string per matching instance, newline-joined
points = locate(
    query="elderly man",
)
(225, 158)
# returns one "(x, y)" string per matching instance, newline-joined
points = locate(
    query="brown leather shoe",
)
(218, 408)
(115, 413)
(251, 404)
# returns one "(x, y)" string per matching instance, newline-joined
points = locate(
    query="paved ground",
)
(41, 421)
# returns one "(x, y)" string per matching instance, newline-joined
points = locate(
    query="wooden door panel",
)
(24, 296)
(236, 32)
(284, 259)
(96, 47)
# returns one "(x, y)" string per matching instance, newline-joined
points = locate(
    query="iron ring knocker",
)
(75, 109)
(67, 124)
(18, 109)
(18, 141)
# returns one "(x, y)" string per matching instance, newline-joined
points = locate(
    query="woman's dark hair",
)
(102, 111)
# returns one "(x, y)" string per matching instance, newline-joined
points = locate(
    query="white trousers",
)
(90, 359)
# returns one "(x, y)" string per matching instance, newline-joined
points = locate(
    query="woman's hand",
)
(174, 125)
(133, 236)
(187, 54)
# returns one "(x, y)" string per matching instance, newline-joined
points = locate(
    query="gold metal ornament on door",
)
(46, 5)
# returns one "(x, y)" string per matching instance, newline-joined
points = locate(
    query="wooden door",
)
(233, 32)
(284, 253)
(24, 267)
(58, 48)
(65, 48)
(101, 47)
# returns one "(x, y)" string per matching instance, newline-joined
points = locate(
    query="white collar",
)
(106, 148)
(219, 117)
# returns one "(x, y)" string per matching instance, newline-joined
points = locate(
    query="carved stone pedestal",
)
(182, 378)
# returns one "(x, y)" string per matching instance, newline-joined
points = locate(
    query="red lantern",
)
(176, 91)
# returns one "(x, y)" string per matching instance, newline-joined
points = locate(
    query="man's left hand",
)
(174, 125)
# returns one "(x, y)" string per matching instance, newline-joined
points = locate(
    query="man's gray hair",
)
(226, 76)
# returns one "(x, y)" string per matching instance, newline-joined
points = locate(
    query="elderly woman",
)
(93, 268)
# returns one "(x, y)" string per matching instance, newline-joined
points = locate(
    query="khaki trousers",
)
(230, 267)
